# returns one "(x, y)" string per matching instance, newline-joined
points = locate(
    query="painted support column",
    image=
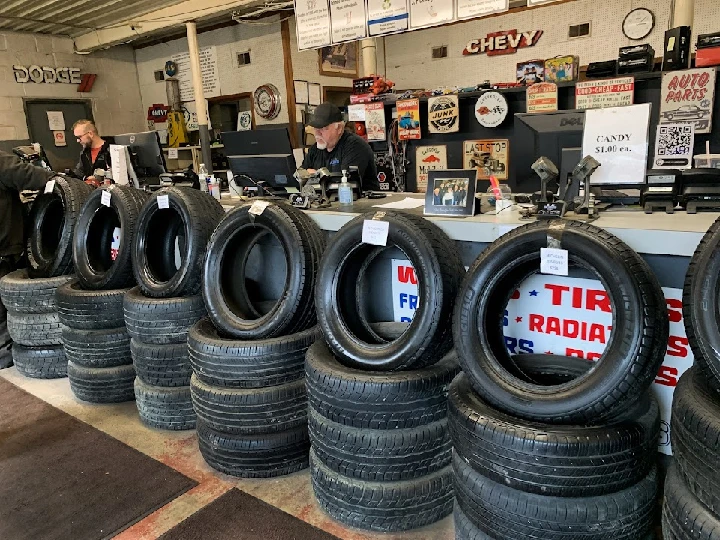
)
(369, 58)
(200, 103)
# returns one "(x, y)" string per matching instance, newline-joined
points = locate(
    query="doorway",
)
(223, 112)
(60, 157)
(337, 95)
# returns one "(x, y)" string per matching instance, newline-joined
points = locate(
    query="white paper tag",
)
(49, 186)
(554, 261)
(172, 153)
(375, 232)
(105, 198)
(258, 207)
(163, 202)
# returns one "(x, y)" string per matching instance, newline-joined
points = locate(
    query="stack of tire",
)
(248, 385)
(547, 446)
(173, 230)
(691, 509)
(378, 391)
(94, 336)
(29, 295)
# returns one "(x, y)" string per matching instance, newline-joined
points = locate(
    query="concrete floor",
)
(179, 450)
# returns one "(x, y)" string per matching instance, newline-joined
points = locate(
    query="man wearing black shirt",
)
(338, 150)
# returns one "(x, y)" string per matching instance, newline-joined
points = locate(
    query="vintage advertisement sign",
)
(688, 96)
(505, 42)
(488, 157)
(491, 109)
(618, 139)
(387, 16)
(428, 158)
(605, 93)
(570, 317)
(375, 121)
(408, 113)
(430, 12)
(158, 112)
(542, 97)
(347, 20)
(208, 70)
(478, 8)
(313, 24)
(443, 114)
(674, 145)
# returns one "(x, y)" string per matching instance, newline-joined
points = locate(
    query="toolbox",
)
(562, 69)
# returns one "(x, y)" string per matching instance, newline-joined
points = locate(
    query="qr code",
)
(675, 140)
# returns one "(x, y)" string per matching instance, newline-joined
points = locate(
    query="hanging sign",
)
(312, 24)
(408, 113)
(542, 97)
(674, 145)
(605, 93)
(387, 16)
(478, 8)
(491, 109)
(489, 157)
(618, 139)
(347, 20)
(56, 120)
(158, 112)
(688, 96)
(430, 12)
(428, 158)
(375, 121)
(208, 72)
(505, 42)
(443, 115)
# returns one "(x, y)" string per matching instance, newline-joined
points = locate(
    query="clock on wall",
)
(267, 101)
(638, 23)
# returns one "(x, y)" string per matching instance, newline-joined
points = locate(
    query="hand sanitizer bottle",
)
(345, 192)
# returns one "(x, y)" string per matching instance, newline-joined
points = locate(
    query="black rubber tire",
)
(166, 366)
(232, 363)
(164, 408)
(562, 461)
(439, 270)
(104, 348)
(702, 325)
(102, 385)
(161, 320)
(466, 529)
(20, 294)
(505, 513)
(52, 223)
(695, 436)
(377, 400)
(191, 218)
(255, 456)
(226, 290)
(34, 329)
(89, 310)
(631, 358)
(684, 517)
(380, 455)
(94, 265)
(250, 411)
(382, 506)
(40, 363)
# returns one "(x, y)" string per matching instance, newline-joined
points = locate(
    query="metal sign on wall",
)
(45, 74)
(505, 42)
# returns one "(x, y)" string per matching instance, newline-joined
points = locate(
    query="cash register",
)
(700, 190)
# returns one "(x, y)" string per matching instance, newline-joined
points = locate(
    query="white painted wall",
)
(115, 97)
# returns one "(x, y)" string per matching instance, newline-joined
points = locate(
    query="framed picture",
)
(450, 192)
(340, 60)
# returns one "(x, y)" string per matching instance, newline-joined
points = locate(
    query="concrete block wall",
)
(115, 98)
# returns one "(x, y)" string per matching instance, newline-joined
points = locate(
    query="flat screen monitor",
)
(276, 171)
(145, 153)
(257, 142)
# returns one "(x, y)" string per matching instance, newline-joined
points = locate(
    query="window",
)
(440, 52)
(243, 58)
(159, 75)
(579, 30)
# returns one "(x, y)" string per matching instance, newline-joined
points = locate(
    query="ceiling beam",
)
(157, 21)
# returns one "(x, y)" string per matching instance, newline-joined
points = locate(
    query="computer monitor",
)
(257, 142)
(145, 153)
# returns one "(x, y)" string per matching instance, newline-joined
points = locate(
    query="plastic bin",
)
(707, 161)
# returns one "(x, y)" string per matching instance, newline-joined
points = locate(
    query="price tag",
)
(105, 198)
(163, 202)
(375, 232)
(554, 261)
(172, 153)
(49, 186)
(258, 207)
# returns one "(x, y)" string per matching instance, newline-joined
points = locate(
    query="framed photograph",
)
(340, 60)
(451, 192)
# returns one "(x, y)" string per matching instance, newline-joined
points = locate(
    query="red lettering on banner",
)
(577, 298)
(597, 299)
(536, 322)
(566, 328)
(557, 291)
(407, 273)
(667, 376)
(515, 295)
(578, 353)
(553, 326)
(674, 310)
(597, 333)
(678, 346)
(569, 328)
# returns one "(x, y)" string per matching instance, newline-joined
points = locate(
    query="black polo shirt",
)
(351, 150)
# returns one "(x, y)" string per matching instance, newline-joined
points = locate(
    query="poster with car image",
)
(688, 96)
(489, 157)
(408, 116)
(428, 158)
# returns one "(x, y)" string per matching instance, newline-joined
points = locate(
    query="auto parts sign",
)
(688, 96)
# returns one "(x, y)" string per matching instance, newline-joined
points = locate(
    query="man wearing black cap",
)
(339, 150)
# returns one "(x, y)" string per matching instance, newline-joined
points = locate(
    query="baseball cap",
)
(325, 114)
